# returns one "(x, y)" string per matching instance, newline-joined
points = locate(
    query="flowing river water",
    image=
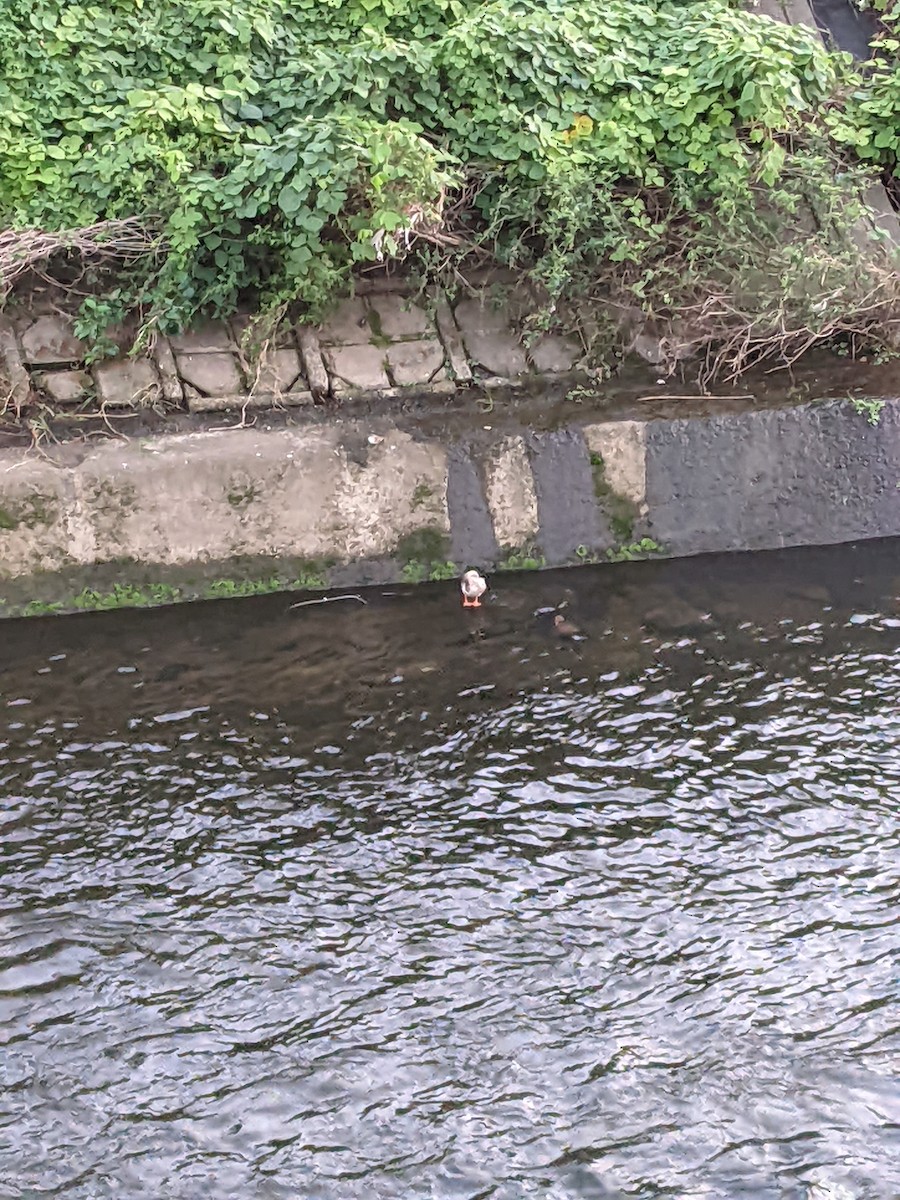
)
(398, 901)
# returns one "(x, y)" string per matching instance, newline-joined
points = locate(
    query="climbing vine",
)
(869, 122)
(185, 153)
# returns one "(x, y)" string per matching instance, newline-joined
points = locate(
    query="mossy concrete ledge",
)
(346, 503)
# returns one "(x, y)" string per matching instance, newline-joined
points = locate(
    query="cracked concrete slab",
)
(415, 362)
(498, 353)
(64, 387)
(213, 374)
(51, 340)
(348, 325)
(489, 339)
(359, 366)
(399, 317)
(210, 338)
(278, 372)
(127, 383)
(511, 498)
(553, 354)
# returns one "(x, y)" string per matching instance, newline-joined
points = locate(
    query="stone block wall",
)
(384, 342)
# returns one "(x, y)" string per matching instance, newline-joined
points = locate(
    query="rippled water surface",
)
(401, 901)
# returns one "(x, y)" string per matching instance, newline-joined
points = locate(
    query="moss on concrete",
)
(424, 555)
(241, 494)
(127, 584)
(427, 544)
(379, 338)
(521, 558)
(422, 494)
(37, 608)
(124, 595)
(112, 499)
(32, 512)
(621, 512)
(420, 572)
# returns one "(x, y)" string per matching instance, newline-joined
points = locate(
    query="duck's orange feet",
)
(471, 603)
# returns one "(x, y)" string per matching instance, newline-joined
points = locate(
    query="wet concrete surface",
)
(471, 528)
(569, 516)
(845, 26)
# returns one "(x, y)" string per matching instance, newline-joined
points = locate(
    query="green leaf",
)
(289, 199)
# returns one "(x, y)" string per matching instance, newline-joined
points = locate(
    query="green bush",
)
(269, 147)
(869, 121)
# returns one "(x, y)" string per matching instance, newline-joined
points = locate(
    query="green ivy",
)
(869, 121)
(273, 146)
(635, 551)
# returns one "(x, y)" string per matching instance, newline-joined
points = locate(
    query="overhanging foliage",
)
(657, 150)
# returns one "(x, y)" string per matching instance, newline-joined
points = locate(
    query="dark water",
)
(406, 902)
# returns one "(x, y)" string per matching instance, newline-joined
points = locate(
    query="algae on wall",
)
(621, 511)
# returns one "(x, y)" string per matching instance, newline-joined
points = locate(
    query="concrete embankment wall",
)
(343, 502)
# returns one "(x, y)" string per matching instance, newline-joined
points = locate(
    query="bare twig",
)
(696, 396)
(23, 250)
(327, 600)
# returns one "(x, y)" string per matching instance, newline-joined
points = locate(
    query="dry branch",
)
(23, 250)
